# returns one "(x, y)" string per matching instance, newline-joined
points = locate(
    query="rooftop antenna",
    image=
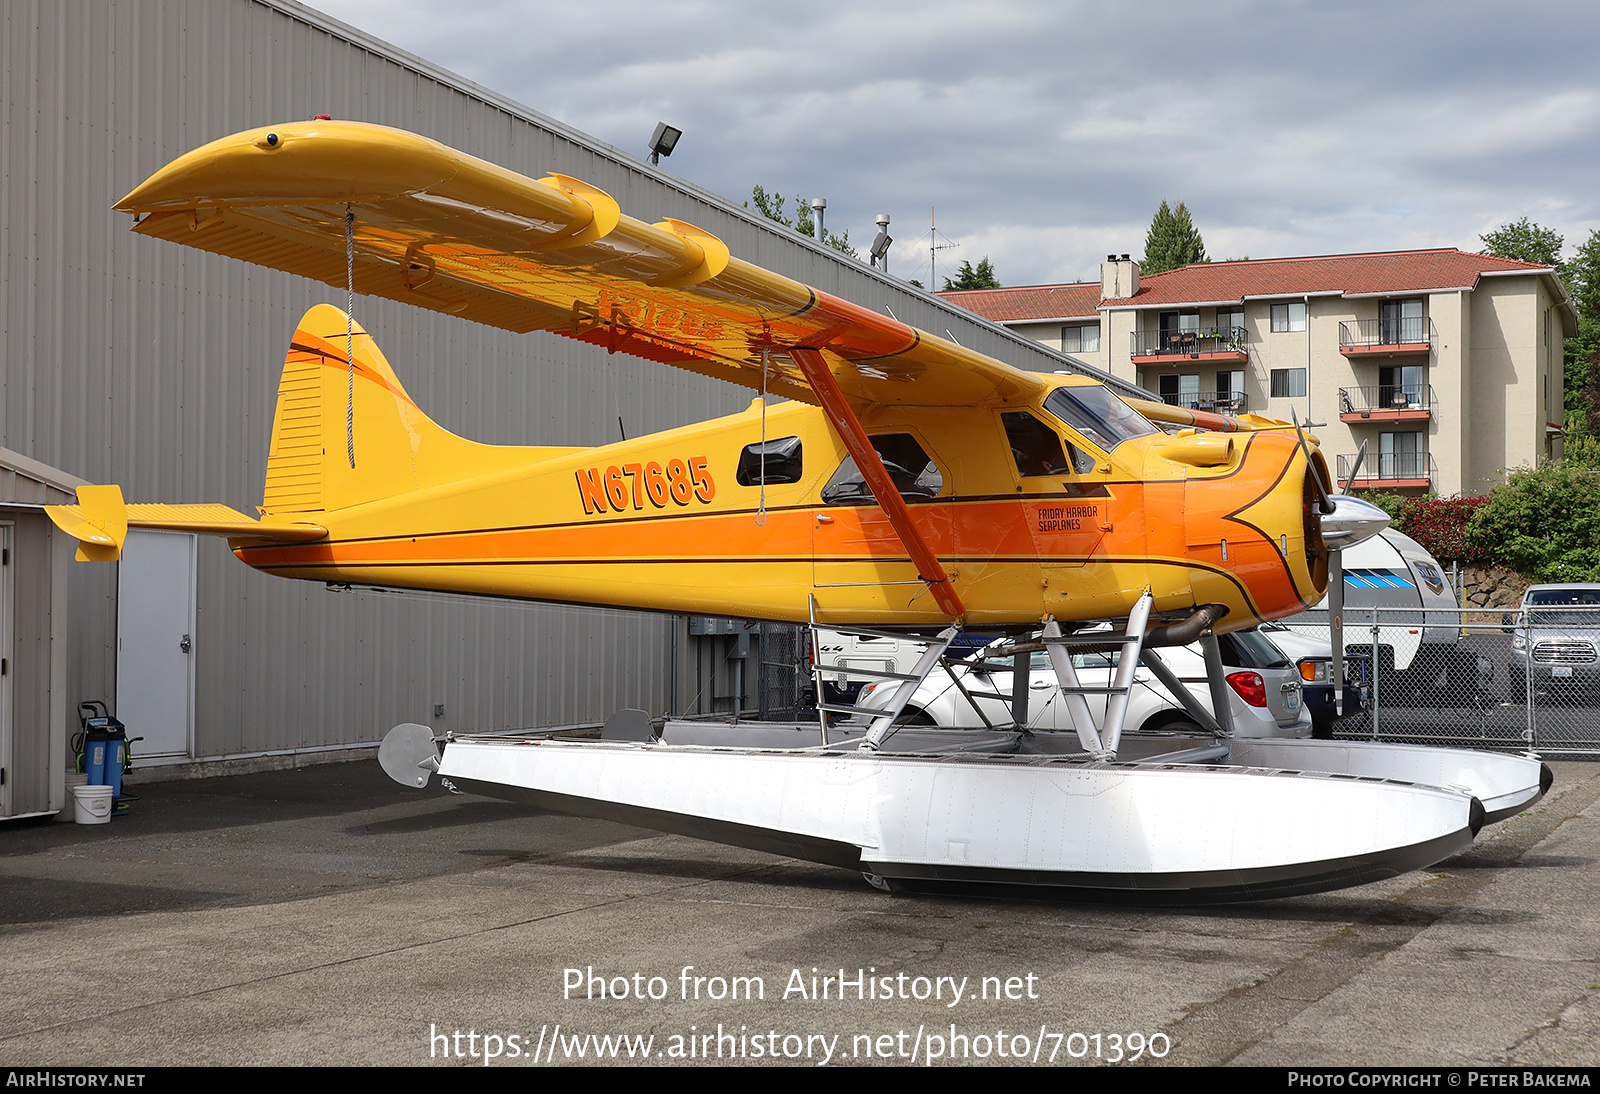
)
(934, 247)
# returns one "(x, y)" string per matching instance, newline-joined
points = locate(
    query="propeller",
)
(1346, 521)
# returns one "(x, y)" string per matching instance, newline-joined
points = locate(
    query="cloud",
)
(1045, 134)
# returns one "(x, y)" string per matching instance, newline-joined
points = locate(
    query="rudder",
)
(339, 441)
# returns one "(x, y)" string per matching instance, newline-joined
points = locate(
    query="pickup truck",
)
(1555, 637)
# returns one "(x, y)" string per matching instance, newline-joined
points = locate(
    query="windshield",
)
(1101, 417)
(1585, 605)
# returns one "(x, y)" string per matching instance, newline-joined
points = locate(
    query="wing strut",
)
(848, 426)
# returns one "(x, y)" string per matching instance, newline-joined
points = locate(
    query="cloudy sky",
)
(1046, 133)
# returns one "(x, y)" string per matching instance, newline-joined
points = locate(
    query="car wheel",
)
(1321, 731)
(1171, 723)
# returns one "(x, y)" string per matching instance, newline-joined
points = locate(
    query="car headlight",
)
(1315, 671)
(1519, 642)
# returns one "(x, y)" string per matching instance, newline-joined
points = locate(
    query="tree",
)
(973, 277)
(1582, 382)
(770, 205)
(1172, 241)
(1526, 242)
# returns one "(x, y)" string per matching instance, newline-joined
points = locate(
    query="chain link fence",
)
(784, 688)
(1519, 679)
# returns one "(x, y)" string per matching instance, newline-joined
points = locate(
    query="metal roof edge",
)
(1396, 292)
(40, 472)
(1049, 319)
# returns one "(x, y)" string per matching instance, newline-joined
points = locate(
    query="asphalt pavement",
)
(326, 916)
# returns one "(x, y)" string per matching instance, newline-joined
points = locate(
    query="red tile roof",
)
(1031, 301)
(1348, 275)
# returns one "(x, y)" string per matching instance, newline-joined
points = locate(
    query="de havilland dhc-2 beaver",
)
(906, 485)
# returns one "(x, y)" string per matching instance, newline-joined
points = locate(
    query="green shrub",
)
(1544, 523)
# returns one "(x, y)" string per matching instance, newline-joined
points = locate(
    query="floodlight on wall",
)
(879, 251)
(663, 141)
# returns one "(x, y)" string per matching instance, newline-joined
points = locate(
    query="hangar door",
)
(155, 628)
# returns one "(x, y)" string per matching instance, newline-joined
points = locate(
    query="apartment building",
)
(1447, 364)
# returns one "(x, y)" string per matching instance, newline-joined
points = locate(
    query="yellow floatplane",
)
(905, 484)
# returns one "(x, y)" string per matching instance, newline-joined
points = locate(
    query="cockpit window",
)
(1100, 416)
(1039, 450)
(912, 473)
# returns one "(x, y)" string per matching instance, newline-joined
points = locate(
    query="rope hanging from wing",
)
(761, 506)
(350, 334)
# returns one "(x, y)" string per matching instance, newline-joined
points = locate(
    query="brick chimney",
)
(1119, 278)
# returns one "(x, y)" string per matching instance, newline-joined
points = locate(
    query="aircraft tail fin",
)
(340, 439)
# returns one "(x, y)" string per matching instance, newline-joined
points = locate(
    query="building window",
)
(1288, 317)
(1402, 387)
(1402, 456)
(1181, 391)
(1180, 331)
(1401, 322)
(1085, 339)
(1289, 383)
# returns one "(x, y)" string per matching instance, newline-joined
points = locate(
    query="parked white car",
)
(1264, 686)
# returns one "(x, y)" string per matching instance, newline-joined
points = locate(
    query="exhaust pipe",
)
(1185, 631)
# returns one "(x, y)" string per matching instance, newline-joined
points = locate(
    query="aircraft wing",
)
(440, 229)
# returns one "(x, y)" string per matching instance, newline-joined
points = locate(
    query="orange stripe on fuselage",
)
(954, 529)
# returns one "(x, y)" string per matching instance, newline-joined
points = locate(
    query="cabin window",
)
(1039, 450)
(773, 463)
(1101, 417)
(909, 467)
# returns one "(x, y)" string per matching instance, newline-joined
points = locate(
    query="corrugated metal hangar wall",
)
(130, 360)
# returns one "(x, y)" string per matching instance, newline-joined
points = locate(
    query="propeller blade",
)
(1355, 469)
(1311, 468)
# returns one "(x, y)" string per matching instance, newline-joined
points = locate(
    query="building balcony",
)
(1386, 337)
(1386, 403)
(1232, 403)
(1152, 347)
(1391, 471)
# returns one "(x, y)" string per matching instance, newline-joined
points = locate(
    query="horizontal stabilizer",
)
(100, 522)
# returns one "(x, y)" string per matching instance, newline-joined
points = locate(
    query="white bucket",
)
(92, 804)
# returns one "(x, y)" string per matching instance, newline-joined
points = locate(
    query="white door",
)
(155, 628)
(7, 601)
